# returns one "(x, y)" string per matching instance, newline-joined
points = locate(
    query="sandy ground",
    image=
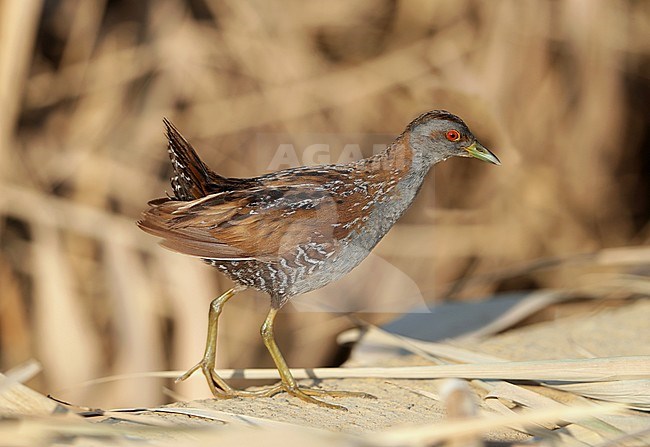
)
(603, 331)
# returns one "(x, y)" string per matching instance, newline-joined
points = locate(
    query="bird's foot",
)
(306, 394)
(220, 389)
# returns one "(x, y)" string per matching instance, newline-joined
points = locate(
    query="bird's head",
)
(438, 135)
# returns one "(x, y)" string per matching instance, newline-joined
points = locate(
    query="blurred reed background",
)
(559, 90)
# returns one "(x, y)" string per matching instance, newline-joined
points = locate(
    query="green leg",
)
(217, 385)
(288, 383)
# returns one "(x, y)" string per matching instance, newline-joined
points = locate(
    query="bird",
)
(295, 230)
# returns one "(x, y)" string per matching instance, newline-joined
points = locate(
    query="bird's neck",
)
(404, 161)
(406, 165)
(402, 170)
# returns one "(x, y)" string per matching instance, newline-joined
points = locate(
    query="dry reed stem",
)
(18, 22)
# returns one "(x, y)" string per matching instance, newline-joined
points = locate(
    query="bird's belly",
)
(310, 267)
(292, 275)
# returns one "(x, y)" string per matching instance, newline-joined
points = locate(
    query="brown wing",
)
(262, 222)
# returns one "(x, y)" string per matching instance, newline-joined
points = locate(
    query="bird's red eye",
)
(453, 135)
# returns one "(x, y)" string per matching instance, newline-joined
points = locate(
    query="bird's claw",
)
(220, 389)
(310, 395)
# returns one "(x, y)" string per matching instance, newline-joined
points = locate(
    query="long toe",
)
(303, 395)
(219, 388)
(264, 392)
(188, 373)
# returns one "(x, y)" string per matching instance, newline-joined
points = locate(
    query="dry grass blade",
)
(634, 393)
(428, 350)
(45, 430)
(529, 399)
(459, 429)
(571, 370)
(17, 400)
(19, 374)
(638, 438)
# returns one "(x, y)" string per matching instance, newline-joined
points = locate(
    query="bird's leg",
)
(217, 385)
(288, 383)
(220, 387)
